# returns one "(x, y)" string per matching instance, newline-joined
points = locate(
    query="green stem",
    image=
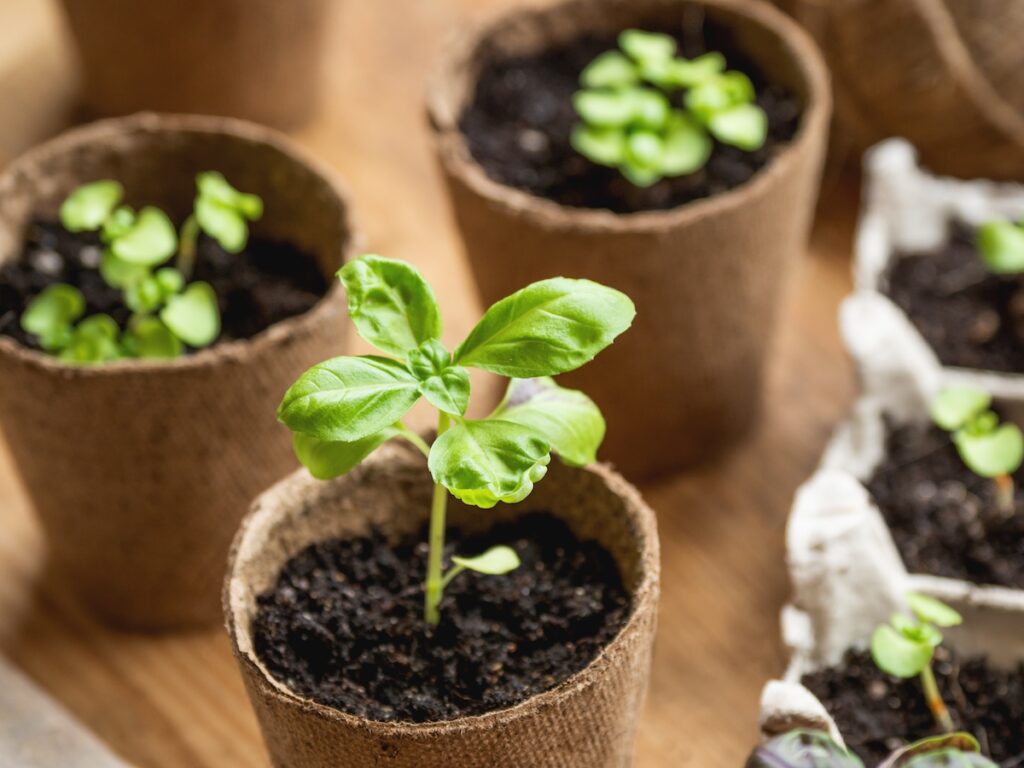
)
(935, 703)
(1004, 495)
(454, 571)
(434, 587)
(187, 246)
(415, 439)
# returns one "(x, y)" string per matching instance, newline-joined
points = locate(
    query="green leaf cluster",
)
(988, 448)
(806, 748)
(906, 645)
(344, 408)
(1001, 245)
(168, 313)
(652, 114)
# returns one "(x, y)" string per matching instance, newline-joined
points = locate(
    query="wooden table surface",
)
(178, 700)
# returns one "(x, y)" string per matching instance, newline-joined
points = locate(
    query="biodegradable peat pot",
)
(588, 721)
(907, 210)
(140, 470)
(707, 277)
(847, 579)
(902, 67)
(254, 59)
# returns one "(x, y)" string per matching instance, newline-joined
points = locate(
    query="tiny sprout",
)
(343, 409)
(988, 448)
(803, 749)
(905, 648)
(953, 750)
(637, 118)
(168, 313)
(1001, 245)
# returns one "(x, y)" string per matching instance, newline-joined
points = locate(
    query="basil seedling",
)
(953, 750)
(343, 409)
(168, 312)
(988, 448)
(803, 749)
(1001, 245)
(905, 648)
(652, 114)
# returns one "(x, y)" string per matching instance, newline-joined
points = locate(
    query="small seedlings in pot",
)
(987, 448)
(167, 312)
(652, 114)
(905, 648)
(345, 408)
(816, 749)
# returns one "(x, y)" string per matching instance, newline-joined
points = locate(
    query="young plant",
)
(1001, 245)
(167, 312)
(988, 448)
(345, 408)
(652, 114)
(954, 750)
(905, 648)
(803, 749)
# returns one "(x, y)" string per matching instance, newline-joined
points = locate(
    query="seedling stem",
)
(187, 246)
(935, 703)
(1005, 494)
(435, 558)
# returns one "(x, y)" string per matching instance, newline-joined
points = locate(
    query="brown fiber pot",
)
(589, 721)
(707, 277)
(141, 470)
(259, 60)
(944, 74)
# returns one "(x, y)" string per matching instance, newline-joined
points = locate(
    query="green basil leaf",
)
(214, 187)
(118, 224)
(484, 462)
(994, 453)
(120, 274)
(1001, 244)
(349, 398)
(744, 126)
(651, 109)
(802, 749)
(933, 611)
(144, 295)
(640, 175)
(897, 655)
(719, 93)
(94, 340)
(223, 223)
(688, 73)
(569, 420)
(170, 280)
(954, 407)
(151, 240)
(604, 146)
(147, 337)
(605, 109)
(445, 386)
(89, 206)
(644, 149)
(328, 459)
(546, 328)
(611, 69)
(686, 147)
(494, 562)
(50, 314)
(647, 46)
(193, 315)
(390, 304)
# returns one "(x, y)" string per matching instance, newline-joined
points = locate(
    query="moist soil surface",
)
(970, 317)
(944, 518)
(521, 116)
(877, 713)
(344, 624)
(267, 282)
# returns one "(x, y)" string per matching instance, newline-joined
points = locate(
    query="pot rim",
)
(209, 357)
(645, 599)
(459, 161)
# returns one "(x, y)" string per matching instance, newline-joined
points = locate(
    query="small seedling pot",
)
(140, 470)
(909, 210)
(902, 67)
(258, 60)
(588, 721)
(847, 578)
(707, 277)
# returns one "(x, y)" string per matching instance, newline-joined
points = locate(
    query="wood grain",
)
(178, 701)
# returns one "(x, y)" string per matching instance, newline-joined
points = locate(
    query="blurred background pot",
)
(944, 74)
(259, 60)
(588, 721)
(140, 470)
(707, 277)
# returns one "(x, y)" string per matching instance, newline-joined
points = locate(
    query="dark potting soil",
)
(267, 282)
(877, 713)
(521, 116)
(344, 624)
(944, 518)
(970, 317)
